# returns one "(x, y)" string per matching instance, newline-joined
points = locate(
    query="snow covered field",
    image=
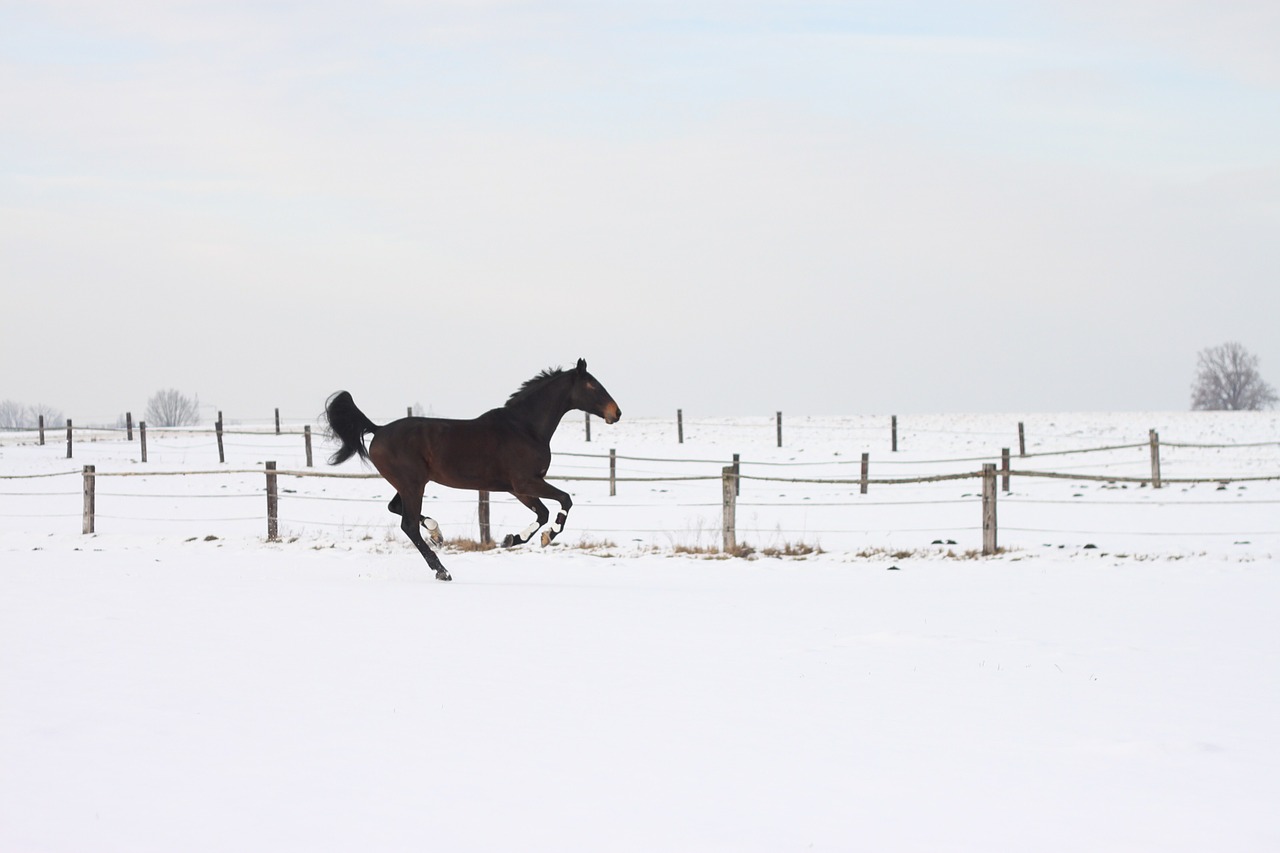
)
(174, 682)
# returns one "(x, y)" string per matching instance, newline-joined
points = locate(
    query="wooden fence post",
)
(989, 509)
(728, 526)
(679, 426)
(90, 475)
(142, 437)
(408, 411)
(486, 533)
(1155, 459)
(128, 426)
(1004, 469)
(217, 428)
(306, 440)
(68, 438)
(866, 466)
(779, 429)
(42, 430)
(273, 503)
(588, 424)
(893, 428)
(277, 421)
(1022, 439)
(737, 475)
(613, 472)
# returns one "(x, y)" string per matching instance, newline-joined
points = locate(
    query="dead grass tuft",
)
(466, 545)
(923, 554)
(794, 550)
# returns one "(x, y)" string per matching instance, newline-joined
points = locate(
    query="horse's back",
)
(487, 452)
(415, 435)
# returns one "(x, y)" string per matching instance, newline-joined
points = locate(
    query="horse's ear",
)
(582, 365)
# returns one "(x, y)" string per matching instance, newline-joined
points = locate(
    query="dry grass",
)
(921, 553)
(711, 552)
(787, 550)
(586, 543)
(699, 545)
(464, 544)
(467, 545)
(694, 550)
(794, 550)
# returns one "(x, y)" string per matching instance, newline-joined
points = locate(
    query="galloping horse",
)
(503, 450)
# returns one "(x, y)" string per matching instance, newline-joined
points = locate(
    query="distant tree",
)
(172, 408)
(52, 416)
(12, 414)
(1227, 378)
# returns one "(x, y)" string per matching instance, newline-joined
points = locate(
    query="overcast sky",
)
(726, 206)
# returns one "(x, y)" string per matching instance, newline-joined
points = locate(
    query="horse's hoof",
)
(442, 575)
(510, 541)
(546, 538)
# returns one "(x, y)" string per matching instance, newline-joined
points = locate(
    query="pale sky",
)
(725, 206)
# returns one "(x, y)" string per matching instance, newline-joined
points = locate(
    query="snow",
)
(161, 691)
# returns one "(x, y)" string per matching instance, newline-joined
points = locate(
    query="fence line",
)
(936, 478)
(218, 431)
(731, 477)
(1144, 533)
(1221, 446)
(1231, 478)
(1109, 478)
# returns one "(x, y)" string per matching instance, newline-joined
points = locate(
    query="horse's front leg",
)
(539, 509)
(546, 490)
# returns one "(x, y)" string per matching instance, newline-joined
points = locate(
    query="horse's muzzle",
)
(612, 414)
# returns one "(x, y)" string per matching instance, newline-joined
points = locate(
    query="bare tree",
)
(52, 416)
(12, 414)
(1227, 378)
(172, 408)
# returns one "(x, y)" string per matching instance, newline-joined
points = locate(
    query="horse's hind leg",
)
(433, 529)
(410, 509)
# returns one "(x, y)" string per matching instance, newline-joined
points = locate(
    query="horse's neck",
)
(544, 412)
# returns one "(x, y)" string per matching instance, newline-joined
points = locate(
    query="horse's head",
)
(590, 396)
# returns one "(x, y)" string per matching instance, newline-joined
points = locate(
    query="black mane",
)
(535, 384)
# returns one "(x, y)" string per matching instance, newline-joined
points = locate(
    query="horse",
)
(507, 449)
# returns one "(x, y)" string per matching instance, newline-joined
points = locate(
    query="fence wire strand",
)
(632, 471)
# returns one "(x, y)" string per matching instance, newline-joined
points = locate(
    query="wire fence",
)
(1118, 490)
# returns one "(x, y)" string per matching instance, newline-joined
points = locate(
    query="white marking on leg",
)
(553, 529)
(529, 531)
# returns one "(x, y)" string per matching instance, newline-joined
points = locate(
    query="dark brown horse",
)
(503, 450)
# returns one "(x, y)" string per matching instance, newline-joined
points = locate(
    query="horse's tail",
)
(349, 425)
